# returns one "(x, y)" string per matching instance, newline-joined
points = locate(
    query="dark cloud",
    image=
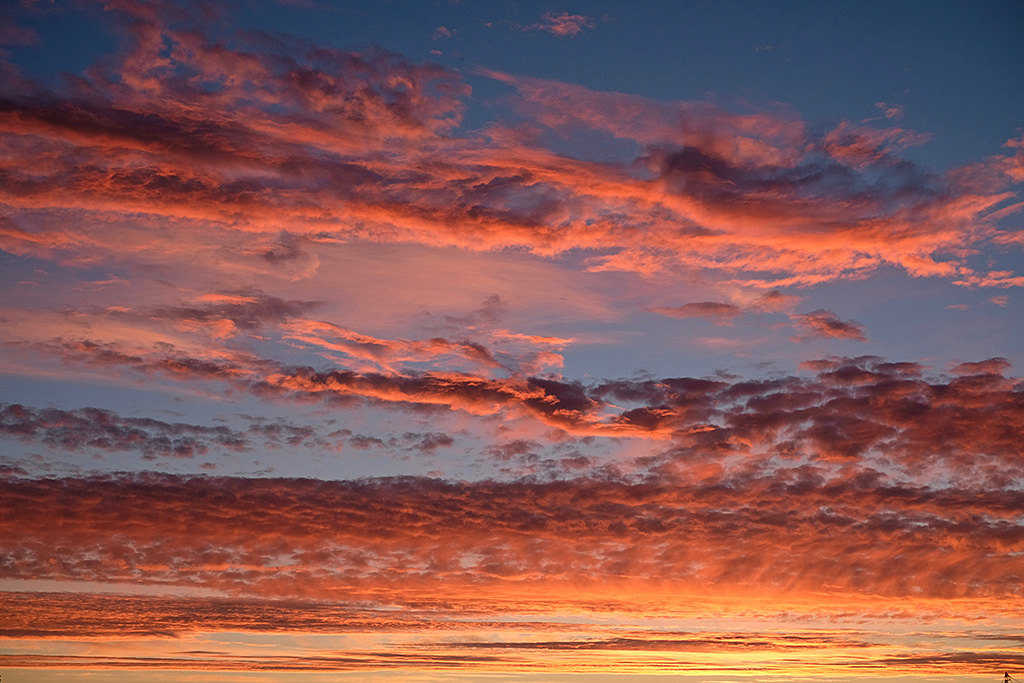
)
(246, 310)
(93, 428)
(561, 24)
(513, 449)
(724, 313)
(427, 442)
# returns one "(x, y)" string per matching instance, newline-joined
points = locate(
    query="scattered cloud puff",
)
(433, 635)
(827, 325)
(562, 24)
(88, 430)
(890, 111)
(93, 428)
(724, 313)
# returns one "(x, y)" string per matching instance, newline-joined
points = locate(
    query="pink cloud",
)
(562, 24)
(724, 313)
(713, 310)
(274, 153)
(890, 111)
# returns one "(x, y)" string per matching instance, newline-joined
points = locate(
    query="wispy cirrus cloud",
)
(714, 310)
(725, 312)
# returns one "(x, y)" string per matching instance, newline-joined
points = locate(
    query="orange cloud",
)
(853, 410)
(293, 145)
(787, 534)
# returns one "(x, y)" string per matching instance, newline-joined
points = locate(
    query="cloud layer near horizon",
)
(243, 252)
(867, 478)
(790, 532)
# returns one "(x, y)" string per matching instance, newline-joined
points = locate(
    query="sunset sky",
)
(598, 342)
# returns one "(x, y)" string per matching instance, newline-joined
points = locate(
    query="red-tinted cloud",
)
(860, 409)
(293, 144)
(436, 637)
(724, 313)
(826, 324)
(792, 531)
(93, 428)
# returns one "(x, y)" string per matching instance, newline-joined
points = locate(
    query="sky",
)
(605, 342)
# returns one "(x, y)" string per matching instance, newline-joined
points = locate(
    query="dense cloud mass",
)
(94, 428)
(498, 374)
(774, 532)
(287, 143)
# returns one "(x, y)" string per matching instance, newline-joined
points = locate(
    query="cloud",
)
(890, 111)
(13, 34)
(430, 637)
(791, 532)
(295, 146)
(861, 409)
(388, 354)
(824, 324)
(93, 428)
(562, 24)
(226, 313)
(96, 430)
(420, 443)
(713, 310)
(724, 313)
(992, 366)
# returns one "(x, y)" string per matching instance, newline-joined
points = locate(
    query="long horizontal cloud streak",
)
(419, 639)
(852, 409)
(261, 134)
(97, 615)
(774, 534)
(101, 429)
